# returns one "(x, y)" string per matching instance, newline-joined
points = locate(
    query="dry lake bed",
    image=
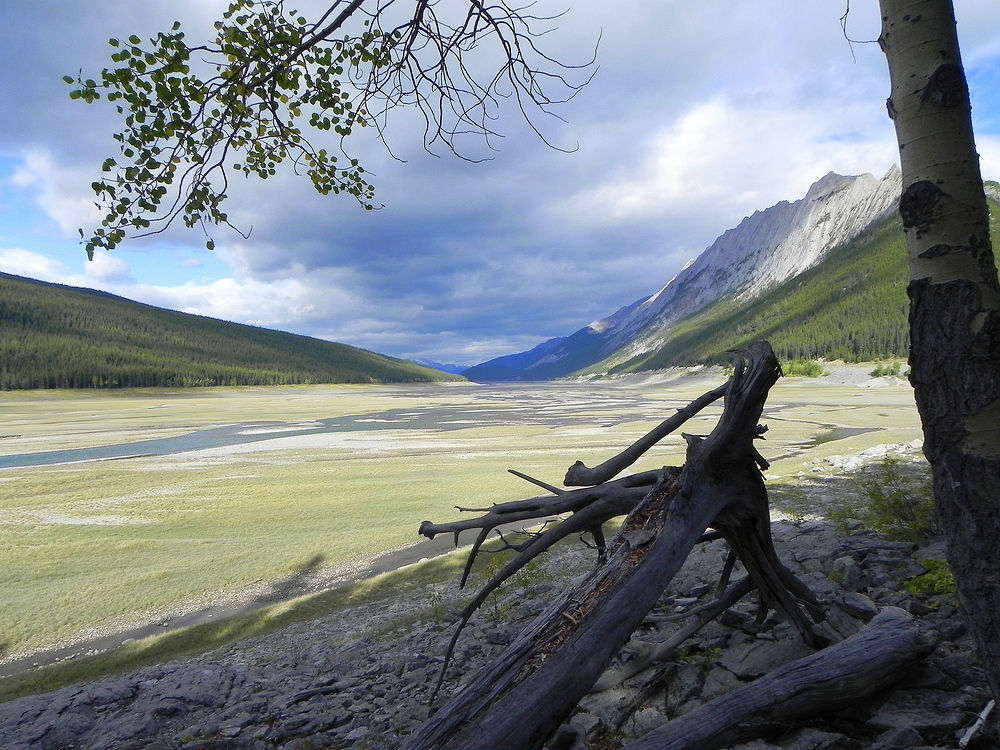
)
(124, 509)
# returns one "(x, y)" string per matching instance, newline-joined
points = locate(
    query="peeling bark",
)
(954, 301)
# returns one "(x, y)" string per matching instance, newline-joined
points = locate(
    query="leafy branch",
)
(271, 80)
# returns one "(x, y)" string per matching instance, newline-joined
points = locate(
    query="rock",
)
(356, 734)
(685, 685)
(718, 682)
(926, 675)
(900, 737)
(585, 723)
(963, 667)
(751, 660)
(340, 682)
(564, 738)
(921, 710)
(859, 605)
(849, 574)
(644, 721)
(815, 739)
(699, 590)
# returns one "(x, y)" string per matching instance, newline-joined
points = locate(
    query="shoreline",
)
(223, 604)
(265, 596)
(343, 575)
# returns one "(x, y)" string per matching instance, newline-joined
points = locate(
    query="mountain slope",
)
(766, 249)
(54, 336)
(824, 276)
(851, 306)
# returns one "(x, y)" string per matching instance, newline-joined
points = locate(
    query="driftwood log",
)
(818, 684)
(518, 700)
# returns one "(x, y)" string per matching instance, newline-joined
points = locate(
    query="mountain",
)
(851, 305)
(508, 367)
(54, 336)
(746, 264)
(453, 369)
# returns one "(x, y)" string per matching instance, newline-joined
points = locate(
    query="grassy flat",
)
(110, 544)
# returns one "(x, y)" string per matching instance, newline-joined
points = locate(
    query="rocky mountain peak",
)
(766, 248)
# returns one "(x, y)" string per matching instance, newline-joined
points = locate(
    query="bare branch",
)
(579, 475)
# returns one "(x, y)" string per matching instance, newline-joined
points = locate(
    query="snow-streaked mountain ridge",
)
(764, 250)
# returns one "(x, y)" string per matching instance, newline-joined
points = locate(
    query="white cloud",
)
(290, 304)
(700, 114)
(62, 192)
(734, 158)
(21, 262)
(286, 304)
(989, 156)
(108, 268)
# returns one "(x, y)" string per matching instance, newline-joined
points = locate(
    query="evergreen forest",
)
(851, 306)
(54, 336)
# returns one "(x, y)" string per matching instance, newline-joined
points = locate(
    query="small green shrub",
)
(844, 514)
(791, 500)
(526, 578)
(885, 369)
(937, 580)
(803, 368)
(702, 658)
(900, 499)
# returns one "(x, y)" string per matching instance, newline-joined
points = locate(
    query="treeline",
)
(852, 306)
(54, 336)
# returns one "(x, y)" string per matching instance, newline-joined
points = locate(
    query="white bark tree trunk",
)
(954, 300)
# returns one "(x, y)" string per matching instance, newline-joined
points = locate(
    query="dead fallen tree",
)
(824, 682)
(519, 699)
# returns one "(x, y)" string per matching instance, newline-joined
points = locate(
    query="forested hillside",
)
(851, 306)
(54, 336)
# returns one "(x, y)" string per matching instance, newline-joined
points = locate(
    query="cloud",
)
(108, 269)
(989, 156)
(733, 158)
(59, 191)
(699, 114)
(21, 262)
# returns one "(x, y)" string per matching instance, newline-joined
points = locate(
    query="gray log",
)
(850, 671)
(516, 702)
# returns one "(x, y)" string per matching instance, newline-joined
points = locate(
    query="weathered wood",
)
(519, 699)
(590, 508)
(649, 653)
(580, 475)
(516, 702)
(852, 670)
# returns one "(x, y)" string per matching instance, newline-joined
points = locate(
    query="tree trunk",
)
(954, 301)
(519, 699)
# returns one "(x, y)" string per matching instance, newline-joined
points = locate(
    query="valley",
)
(333, 476)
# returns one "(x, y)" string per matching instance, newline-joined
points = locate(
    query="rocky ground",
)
(361, 679)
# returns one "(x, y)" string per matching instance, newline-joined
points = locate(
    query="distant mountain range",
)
(824, 276)
(54, 336)
(453, 369)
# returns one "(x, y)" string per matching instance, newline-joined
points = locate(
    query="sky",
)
(698, 114)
